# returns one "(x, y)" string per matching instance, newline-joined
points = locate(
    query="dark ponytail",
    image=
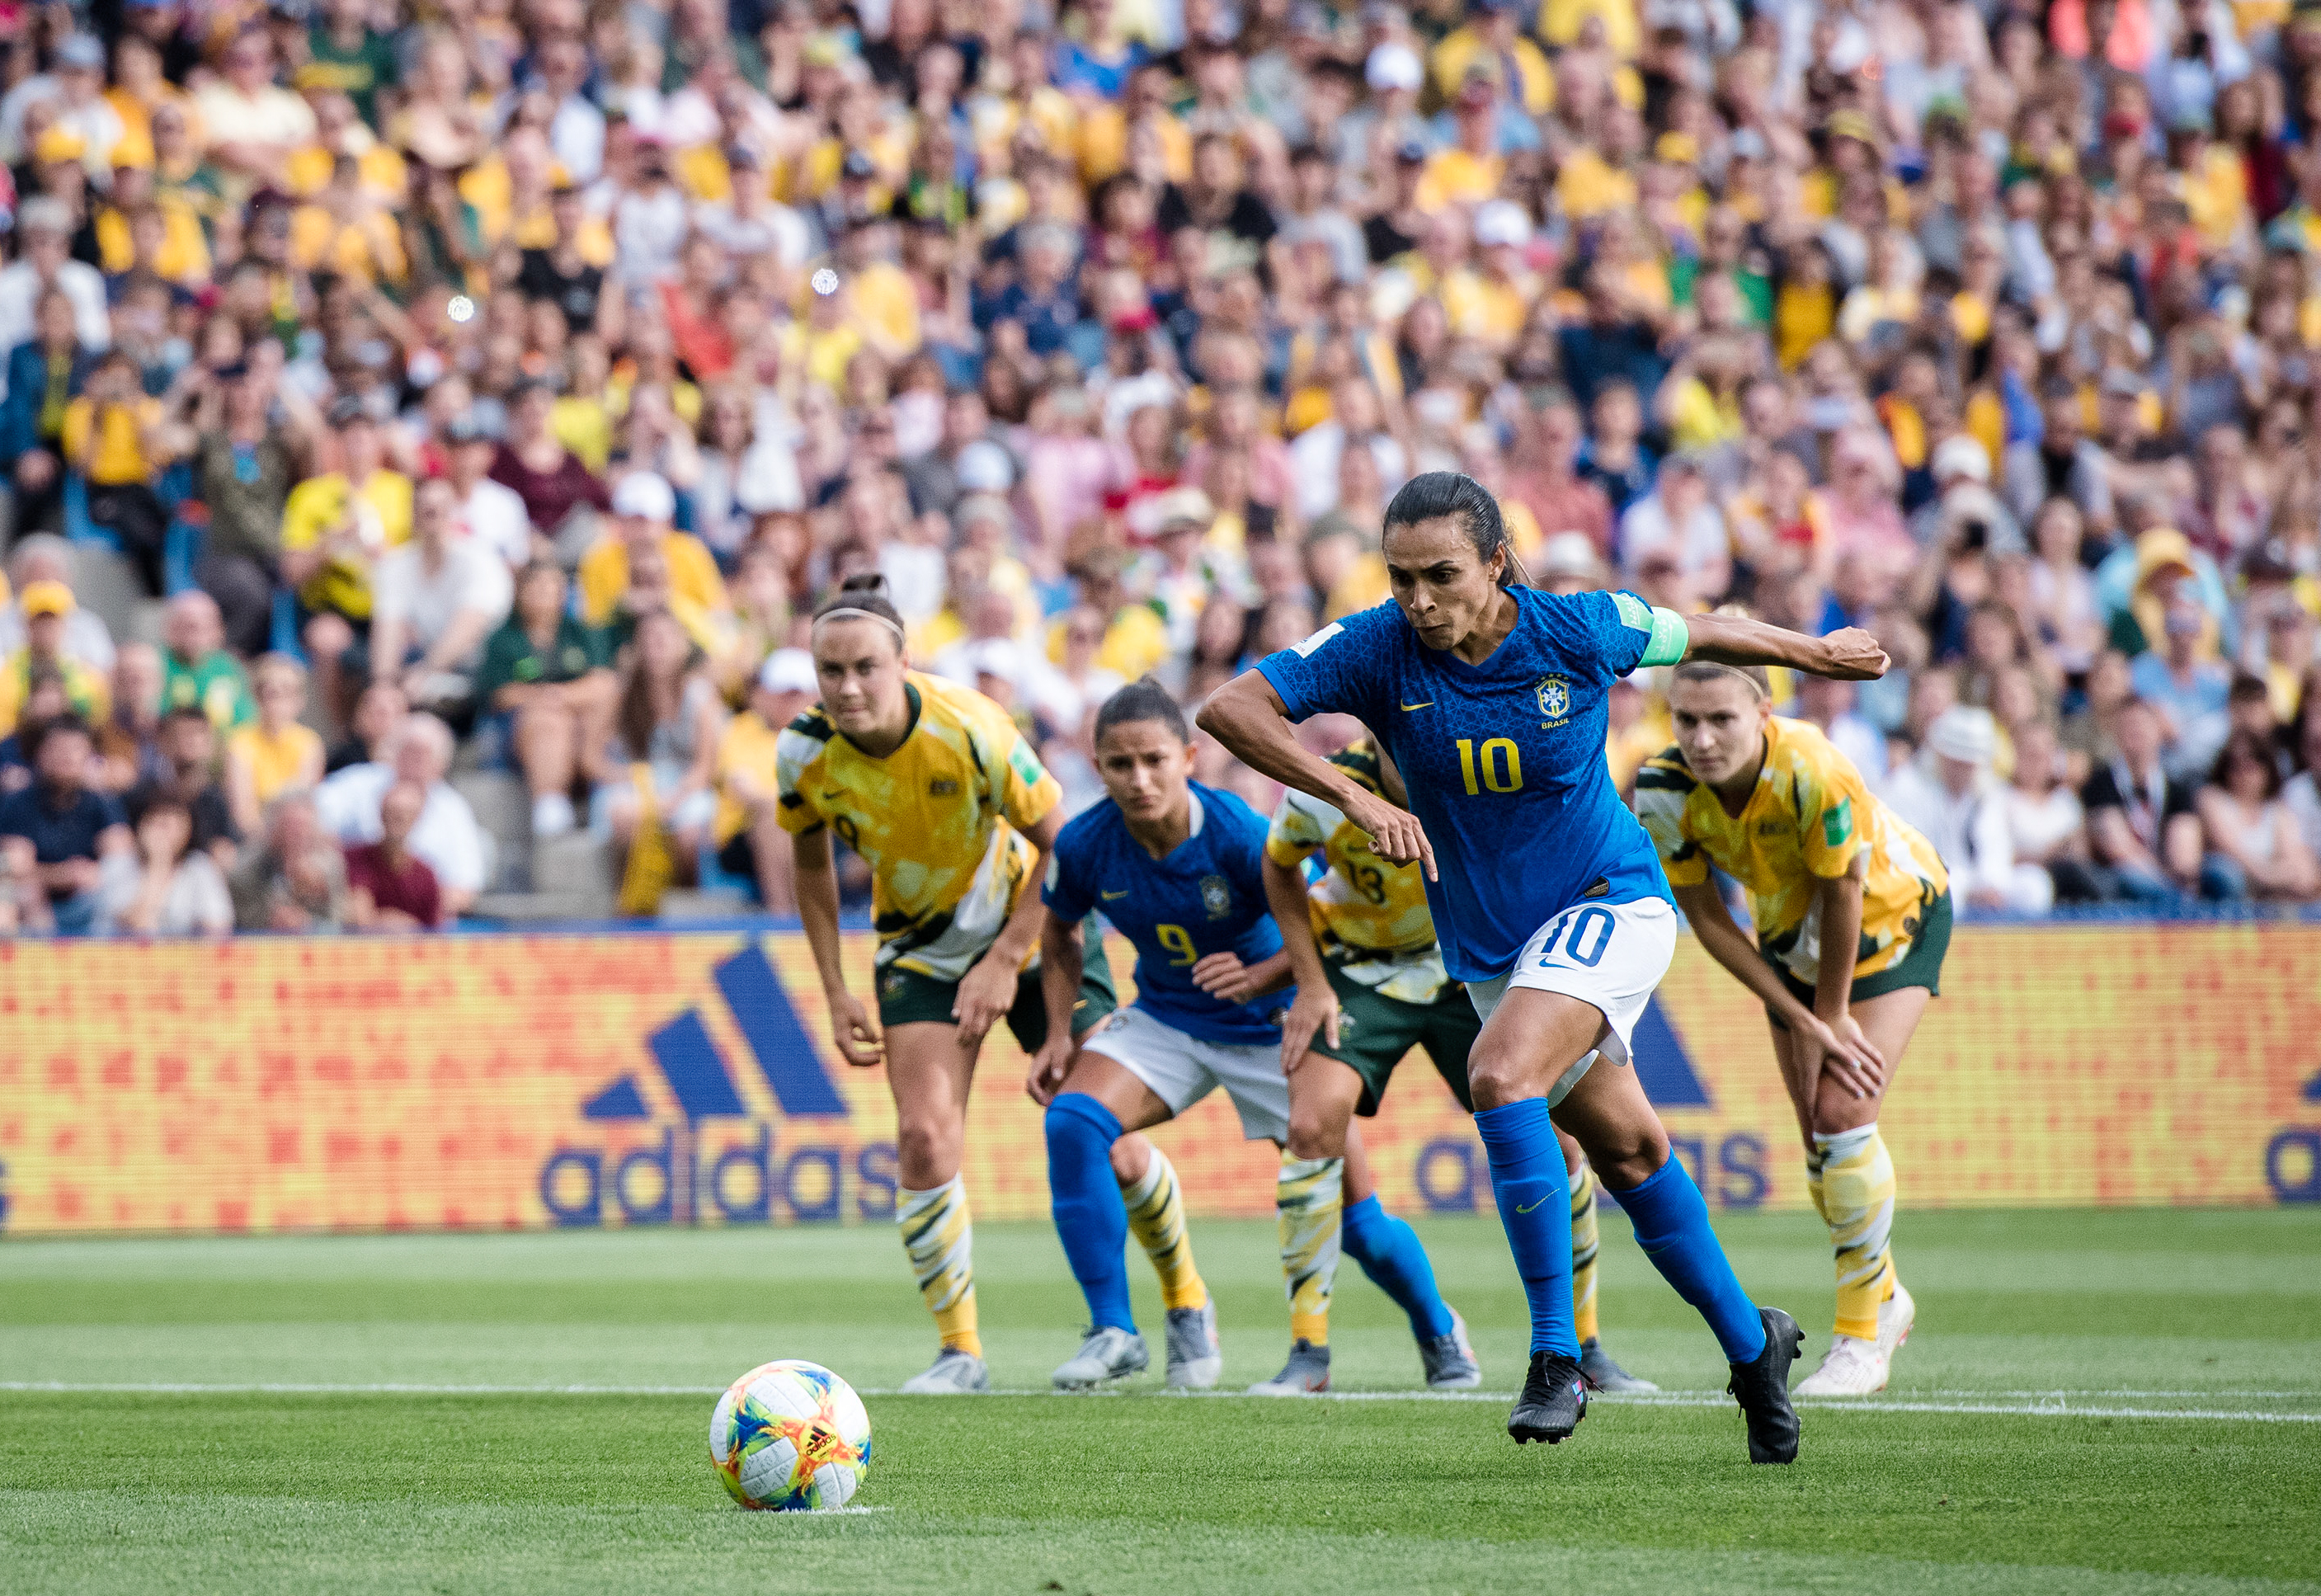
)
(865, 593)
(1434, 494)
(1145, 699)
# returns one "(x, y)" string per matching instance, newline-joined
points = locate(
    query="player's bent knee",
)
(923, 1149)
(1629, 1156)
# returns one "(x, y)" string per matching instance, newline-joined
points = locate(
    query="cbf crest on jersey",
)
(1216, 897)
(1554, 700)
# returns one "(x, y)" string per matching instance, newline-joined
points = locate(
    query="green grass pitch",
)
(2094, 1402)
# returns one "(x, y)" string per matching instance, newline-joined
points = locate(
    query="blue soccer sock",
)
(1527, 1179)
(1086, 1201)
(1389, 1253)
(1672, 1226)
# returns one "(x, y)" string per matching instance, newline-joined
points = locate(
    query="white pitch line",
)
(1659, 1400)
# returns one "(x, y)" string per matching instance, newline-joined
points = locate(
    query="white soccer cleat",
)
(1109, 1353)
(1852, 1367)
(954, 1373)
(1895, 1314)
(1195, 1362)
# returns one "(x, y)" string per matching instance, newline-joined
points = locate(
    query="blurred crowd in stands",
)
(408, 401)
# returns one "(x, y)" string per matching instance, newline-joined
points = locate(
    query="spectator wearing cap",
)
(335, 528)
(436, 598)
(46, 374)
(252, 125)
(2135, 582)
(43, 557)
(547, 680)
(60, 837)
(388, 886)
(185, 771)
(1490, 301)
(1955, 801)
(47, 606)
(198, 672)
(644, 506)
(446, 835)
(747, 834)
(1960, 467)
(556, 487)
(489, 512)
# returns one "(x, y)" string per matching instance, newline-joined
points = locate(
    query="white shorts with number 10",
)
(1609, 955)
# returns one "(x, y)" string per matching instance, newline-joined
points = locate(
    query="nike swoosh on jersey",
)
(1428, 705)
(1108, 897)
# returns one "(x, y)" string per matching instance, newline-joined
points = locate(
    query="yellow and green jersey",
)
(940, 821)
(1809, 818)
(1370, 912)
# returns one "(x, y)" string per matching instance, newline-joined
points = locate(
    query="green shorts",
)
(1375, 1032)
(1922, 966)
(906, 997)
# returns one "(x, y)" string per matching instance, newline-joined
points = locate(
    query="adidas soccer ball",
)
(791, 1436)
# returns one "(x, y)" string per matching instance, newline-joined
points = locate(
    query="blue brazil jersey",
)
(1504, 760)
(1208, 896)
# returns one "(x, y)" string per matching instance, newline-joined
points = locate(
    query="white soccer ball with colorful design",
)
(792, 1437)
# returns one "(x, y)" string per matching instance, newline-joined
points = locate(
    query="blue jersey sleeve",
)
(1066, 890)
(1340, 670)
(1619, 628)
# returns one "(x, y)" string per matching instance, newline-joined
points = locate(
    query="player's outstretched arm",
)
(1850, 654)
(1845, 1053)
(1249, 717)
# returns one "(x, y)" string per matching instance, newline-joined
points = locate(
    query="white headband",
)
(849, 613)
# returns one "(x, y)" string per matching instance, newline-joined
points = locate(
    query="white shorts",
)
(1609, 955)
(1182, 1069)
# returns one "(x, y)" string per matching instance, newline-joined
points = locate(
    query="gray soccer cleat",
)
(1450, 1359)
(1109, 1353)
(1193, 1361)
(1306, 1374)
(954, 1373)
(1601, 1373)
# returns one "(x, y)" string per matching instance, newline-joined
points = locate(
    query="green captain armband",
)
(1671, 638)
(1667, 634)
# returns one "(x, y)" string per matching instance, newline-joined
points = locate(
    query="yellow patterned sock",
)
(1156, 1219)
(1583, 1254)
(1812, 1183)
(941, 1241)
(1307, 1194)
(1858, 1202)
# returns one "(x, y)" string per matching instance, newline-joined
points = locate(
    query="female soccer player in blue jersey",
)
(1548, 896)
(1179, 869)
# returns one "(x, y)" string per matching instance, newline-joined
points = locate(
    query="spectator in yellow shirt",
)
(180, 253)
(643, 507)
(278, 754)
(114, 440)
(1469, 171)
(335, 528)
(1490, 36)
(749, 839)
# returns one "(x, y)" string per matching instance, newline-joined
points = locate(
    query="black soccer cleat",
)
(1762, 1390)
(1554, 1401)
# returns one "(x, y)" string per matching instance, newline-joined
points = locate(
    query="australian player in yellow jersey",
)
(934, 786)
(1371, 987)
(1853, 914)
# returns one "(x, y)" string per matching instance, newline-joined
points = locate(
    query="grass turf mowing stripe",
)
(1648, 1399)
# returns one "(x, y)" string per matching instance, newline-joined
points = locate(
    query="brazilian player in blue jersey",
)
(1547, 894)
(1178, 870)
